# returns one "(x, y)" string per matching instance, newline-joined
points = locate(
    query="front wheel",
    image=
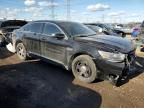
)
(84, 68)
(21, 51)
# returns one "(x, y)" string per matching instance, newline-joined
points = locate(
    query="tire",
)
(21, 51)
(84, 69)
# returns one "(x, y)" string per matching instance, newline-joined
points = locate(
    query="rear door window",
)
(26, 27)
(33, 27)
(36, 27)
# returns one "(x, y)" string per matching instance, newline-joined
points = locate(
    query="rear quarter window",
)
(26, 27)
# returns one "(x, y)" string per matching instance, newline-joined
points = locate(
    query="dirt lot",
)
(36, 84)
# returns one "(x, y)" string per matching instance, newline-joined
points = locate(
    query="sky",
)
(109, 11)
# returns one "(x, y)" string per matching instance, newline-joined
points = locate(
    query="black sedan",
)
(77, 48)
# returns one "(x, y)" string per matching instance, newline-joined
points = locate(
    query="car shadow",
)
(36, 84)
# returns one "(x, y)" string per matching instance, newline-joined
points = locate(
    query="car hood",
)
(108, 43)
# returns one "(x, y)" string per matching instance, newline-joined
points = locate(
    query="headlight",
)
(113, 57)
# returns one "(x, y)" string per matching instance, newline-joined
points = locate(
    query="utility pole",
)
(120, 19)
(68, 10)
(103, 18)
(52, 10)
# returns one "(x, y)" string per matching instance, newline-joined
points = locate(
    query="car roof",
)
(92, 23)
(54, 21)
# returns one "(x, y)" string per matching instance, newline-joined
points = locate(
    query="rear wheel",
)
(84, 68)
(21, 51)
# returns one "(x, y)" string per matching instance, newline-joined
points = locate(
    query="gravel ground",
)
(37, 84)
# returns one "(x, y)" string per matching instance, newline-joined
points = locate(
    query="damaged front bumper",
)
(116, 72)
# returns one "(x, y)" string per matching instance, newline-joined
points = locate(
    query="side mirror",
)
(59, 36)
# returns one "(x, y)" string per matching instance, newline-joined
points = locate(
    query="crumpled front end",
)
(116, 72)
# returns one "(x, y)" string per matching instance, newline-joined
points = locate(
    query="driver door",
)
(52, 48)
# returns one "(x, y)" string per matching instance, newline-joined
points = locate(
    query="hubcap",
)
(21, 52)
(83, 69)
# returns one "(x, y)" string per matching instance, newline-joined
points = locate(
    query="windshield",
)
(108, 28)
(95, 28)
(76, 29)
